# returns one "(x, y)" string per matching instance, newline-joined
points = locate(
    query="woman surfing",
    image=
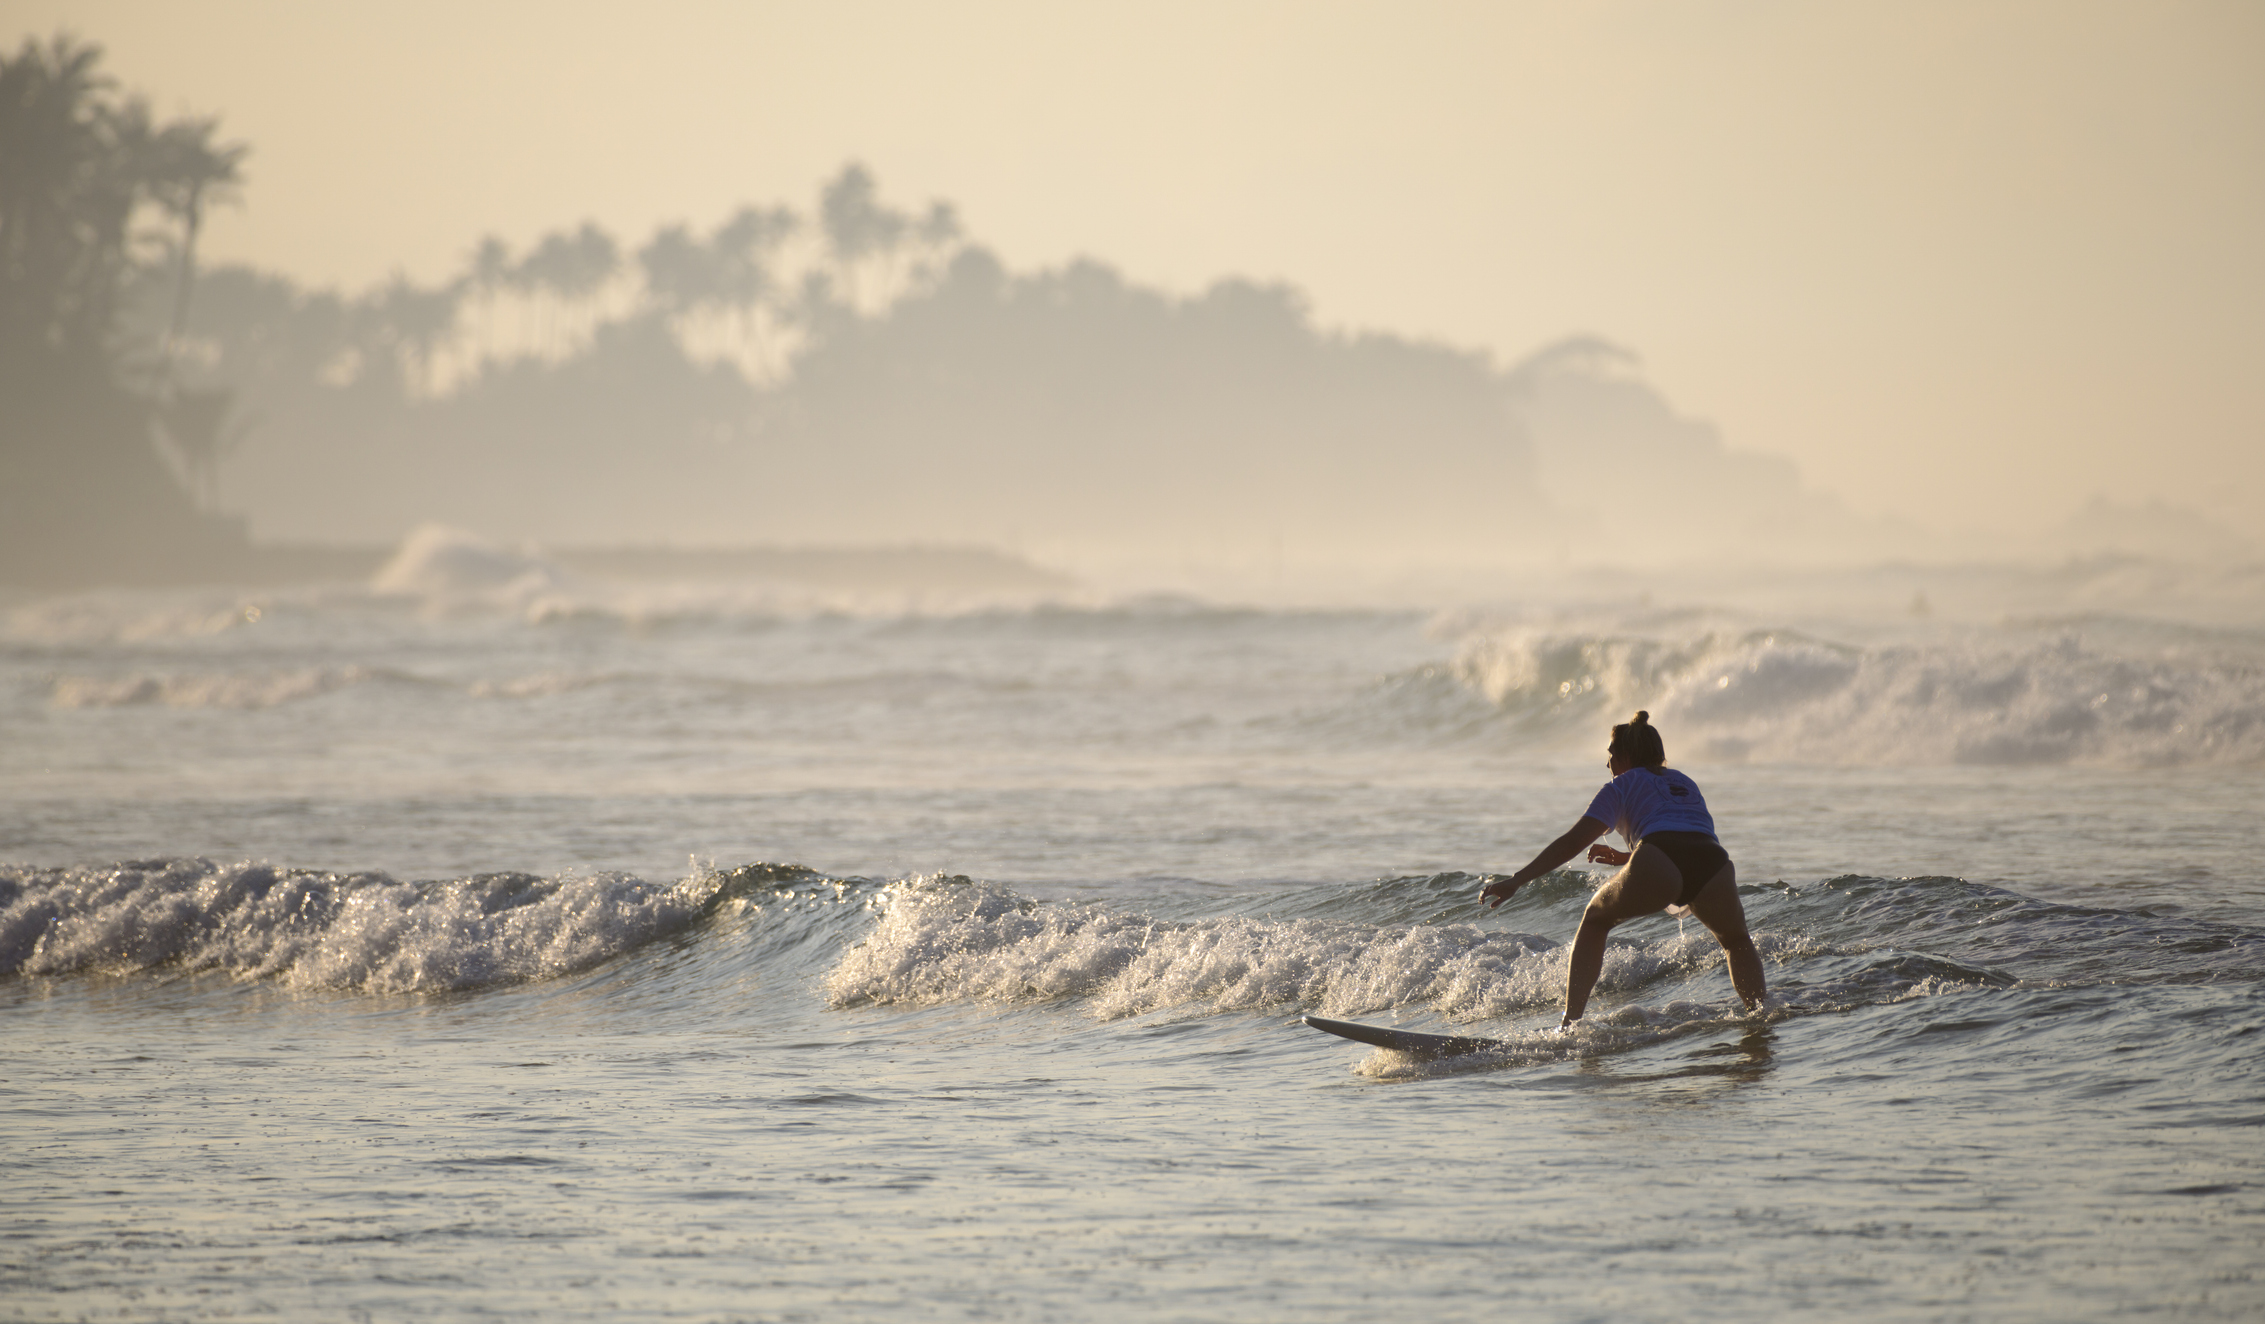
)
(1673, 860)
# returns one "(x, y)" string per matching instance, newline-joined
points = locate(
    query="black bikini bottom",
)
(1699, 857)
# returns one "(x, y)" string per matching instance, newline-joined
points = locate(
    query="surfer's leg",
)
(1718, 908)
(1647, 883)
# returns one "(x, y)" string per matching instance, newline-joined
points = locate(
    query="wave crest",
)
(2006, 697)
(947, 939)
(362, 932)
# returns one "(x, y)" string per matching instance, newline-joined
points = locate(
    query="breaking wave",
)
(1832, 946)
(953, 940)
(1346, 950)
(2045, 695)
(359, 932)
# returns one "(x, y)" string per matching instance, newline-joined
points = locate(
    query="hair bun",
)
(1642, 717)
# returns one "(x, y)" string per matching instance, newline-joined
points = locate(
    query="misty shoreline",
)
(287, 564)
(444, 564)
(863, 396)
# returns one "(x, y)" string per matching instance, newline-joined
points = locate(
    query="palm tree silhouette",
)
(69, 161)
(939, 234)
(187, 170)
(415, 322)
(487, 273)
(82, 403)
(856, 225)
(878, 251)
(570, 268)
(676, 267)
(741, 256)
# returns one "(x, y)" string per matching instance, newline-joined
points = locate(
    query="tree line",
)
(855, 371)
(752, 290)
(101, 201)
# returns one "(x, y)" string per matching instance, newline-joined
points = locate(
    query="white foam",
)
(366, 933)
(2001, 696)
(1636, 1025)
(948, 940)
(138, 617)
(435, 559)
(450, 571)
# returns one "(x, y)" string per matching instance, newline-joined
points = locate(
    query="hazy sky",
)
(1968, 261)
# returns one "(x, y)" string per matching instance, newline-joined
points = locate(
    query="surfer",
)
(1673, 859)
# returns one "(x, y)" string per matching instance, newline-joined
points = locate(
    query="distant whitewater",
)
(449, 570)
(1792, 685)
(2102, 691)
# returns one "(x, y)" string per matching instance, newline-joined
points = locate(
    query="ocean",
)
(487, 941)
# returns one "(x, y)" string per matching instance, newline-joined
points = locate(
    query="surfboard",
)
(1405, 1041)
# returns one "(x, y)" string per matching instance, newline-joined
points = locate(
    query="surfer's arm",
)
(1552, 856)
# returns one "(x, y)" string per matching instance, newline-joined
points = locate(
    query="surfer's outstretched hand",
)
(1499, 891)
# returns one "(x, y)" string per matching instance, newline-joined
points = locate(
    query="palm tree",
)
(415, 322)
(891, 247)
(856, 225)
(186, 170)
(741, 254)
(77, 466)
(591, 260)
(487, 274)
(678, 273)
(67, 193)
(571, 268)
(534, 275)
(938, 235)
